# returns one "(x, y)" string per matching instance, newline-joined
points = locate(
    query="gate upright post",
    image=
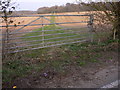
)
(90, 26)
(43, 32)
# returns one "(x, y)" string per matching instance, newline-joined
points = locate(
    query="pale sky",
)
(35, 4)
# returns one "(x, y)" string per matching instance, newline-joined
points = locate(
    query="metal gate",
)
(51, 30)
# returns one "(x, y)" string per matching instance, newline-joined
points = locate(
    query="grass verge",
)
(57, 58)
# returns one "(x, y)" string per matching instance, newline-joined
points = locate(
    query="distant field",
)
(53, 35)
(77, 31)
(26, 20)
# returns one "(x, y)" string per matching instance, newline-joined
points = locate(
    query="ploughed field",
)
(61, 19)
(48, 35)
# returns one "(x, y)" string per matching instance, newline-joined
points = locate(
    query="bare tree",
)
(110, 13)
(6, 8)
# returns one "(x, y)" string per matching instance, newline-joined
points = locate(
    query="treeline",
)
(69, 7)
(23, 12)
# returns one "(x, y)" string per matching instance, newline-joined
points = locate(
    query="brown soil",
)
(92, 75)
(26, 20)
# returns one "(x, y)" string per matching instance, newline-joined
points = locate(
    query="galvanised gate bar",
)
(51, 30)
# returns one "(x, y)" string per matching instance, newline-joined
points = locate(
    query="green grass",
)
(50, 27)
(53, 30)
(56, 58)
(53, 27)
(15, 68)
(19, 68)
(52, 20)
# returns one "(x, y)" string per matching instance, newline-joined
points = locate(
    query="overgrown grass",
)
(13, 69)
(57, 58)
